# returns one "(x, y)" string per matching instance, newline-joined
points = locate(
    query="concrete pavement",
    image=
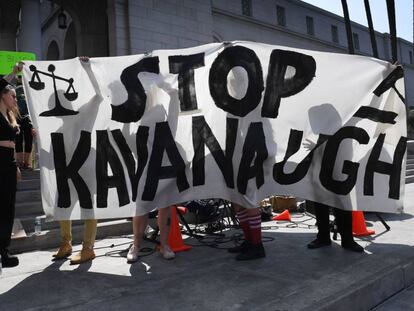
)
(291, 277)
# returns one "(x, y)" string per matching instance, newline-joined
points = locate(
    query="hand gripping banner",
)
(121, 136)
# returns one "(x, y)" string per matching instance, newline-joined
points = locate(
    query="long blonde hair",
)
(12, 113)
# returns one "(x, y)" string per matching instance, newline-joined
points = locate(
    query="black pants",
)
(26, 135)
(8, 183)
(343, 221)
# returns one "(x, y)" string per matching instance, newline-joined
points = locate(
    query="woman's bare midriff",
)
(7, 144)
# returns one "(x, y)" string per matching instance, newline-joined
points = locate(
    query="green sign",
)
(8, 59)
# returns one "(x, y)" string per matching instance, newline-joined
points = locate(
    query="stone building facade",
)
(122, 27)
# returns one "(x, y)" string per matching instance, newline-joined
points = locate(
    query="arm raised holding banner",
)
(16, 69)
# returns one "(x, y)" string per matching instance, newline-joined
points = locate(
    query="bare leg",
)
(19, 158)
(139, 223)
(164, 224)
(28, 159)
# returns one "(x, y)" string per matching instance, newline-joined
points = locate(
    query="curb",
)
(393, 280)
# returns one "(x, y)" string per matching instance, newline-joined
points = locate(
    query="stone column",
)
(9, 16)
(30, 37)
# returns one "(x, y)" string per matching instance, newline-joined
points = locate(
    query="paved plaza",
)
(291, 277)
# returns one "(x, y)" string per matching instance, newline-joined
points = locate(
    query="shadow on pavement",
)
(291, 277)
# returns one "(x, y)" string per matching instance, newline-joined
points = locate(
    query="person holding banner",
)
(343, 218)
(89, 234)
(250, 220)
(139, 224)
(9, 172)
(343, 221)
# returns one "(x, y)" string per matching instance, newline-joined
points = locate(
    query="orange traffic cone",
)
(285, 215)
(182, 210)
(359, 227)
(175, 240)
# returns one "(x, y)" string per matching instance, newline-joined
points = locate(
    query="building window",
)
(52, 51)
(247, 7)
(281, 15)
(334, 32)
(309, 26)
(355, 37)
(410, 55)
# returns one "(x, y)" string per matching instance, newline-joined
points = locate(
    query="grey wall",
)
(161, 24)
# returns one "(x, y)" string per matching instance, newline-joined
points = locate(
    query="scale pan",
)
(71, 96)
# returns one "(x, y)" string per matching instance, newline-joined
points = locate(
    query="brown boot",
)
(86, 254)
(64, 251)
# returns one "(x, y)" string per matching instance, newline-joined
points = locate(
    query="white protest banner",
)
(121, 136)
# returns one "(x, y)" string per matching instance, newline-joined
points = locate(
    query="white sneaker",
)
(132, 254)
(167, 253)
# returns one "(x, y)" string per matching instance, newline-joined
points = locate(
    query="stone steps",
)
(410, 147)
(29, 206)
(25, 196)
(24, 209)
(28, 223)
(51, 238)
(409, 173)
(28, 184)
(409, 179)
(28, 196)
(34, 174)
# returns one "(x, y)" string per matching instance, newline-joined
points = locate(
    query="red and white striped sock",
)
(255, 224)
(244, 223)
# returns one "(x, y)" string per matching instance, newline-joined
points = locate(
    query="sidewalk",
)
(291, 277)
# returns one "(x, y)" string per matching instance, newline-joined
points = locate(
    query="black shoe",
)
(352, 246)
(243, 247)
(318, 243)
(8, 261)
(253, 252)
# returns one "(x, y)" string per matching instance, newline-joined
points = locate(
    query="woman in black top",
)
(8, 170)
